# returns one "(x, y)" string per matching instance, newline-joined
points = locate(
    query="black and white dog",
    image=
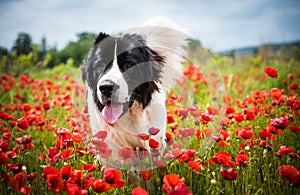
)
(127, 77)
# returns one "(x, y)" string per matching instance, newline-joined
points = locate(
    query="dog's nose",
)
(107, 88)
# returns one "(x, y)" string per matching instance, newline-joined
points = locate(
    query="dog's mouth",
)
(112, 111)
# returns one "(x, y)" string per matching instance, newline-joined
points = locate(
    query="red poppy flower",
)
(101, 135)
(18, 182)
(113, 177)
(88, 167)
(55, 183)
(153, 131)
(46, 105)
(242, 157)
(74, 189)
(143, 136)
(7, 136)
(223, 158)
(170, 181)
(170, 119)
(3, 158)
(139, 191)
(153, 143)
(279, 123)
(245, 134)
(239, 117)
(229, 174)
(146, 175)
(294, 129)
(284, 150)
(250, 115)
(31, 176)
(194, 165)
(293, 86)
(23, 123)
(290, 173)
(272, 72)
(126, 154)
(53, 154)
(264, 134)
(99, 185)
(230, 110)
(212, 111)
(66, 154)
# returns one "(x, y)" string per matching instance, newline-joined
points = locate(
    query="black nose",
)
(107, 88)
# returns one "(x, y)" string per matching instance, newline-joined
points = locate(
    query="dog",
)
(127, 78)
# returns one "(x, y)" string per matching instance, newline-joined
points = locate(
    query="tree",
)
(23, 44)
(77, 50)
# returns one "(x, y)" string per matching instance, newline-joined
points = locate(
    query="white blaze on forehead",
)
(115, 75)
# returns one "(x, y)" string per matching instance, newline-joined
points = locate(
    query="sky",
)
(219, 24)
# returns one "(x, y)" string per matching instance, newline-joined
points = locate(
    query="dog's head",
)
(120, 70)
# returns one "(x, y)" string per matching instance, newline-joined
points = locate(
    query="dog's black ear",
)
(100, 37)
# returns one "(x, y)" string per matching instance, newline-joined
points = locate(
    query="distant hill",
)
(269, 47)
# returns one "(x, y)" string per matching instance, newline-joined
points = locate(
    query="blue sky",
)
(218, 24)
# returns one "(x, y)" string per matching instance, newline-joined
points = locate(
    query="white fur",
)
(170, 40)
(115, 75)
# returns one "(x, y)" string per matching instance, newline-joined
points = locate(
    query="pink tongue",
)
(112, 112)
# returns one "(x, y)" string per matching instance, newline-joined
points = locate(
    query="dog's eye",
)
(127, 66)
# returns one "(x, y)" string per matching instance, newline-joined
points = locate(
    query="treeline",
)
(26, 55)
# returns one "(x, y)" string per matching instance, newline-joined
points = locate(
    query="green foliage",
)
(23, 44)
(77, 50)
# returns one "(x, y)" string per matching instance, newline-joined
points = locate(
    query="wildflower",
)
(293, 86)
(113, 177)
(294, 129)
(18, 182)
(223, 158)
(46, 105)
(229, 174)
(143, 136)
(66, 154)
(284, 150)
(279, 123)
(250, 115)
(99, 185)
(272, 72)
(126, 154)
(245, 134)
(153, 131)
(264, 134)
(146, 175)
(153, 143)
(3, 158)
(174, 185)
(290, 173)
(194, 165)
(23, 123)
(242, 157)
(139, 191)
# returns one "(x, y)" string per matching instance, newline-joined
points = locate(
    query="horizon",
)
(241, 24)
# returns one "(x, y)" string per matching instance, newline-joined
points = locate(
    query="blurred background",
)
(55, 31)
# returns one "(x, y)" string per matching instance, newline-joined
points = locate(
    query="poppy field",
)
(242, 138)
